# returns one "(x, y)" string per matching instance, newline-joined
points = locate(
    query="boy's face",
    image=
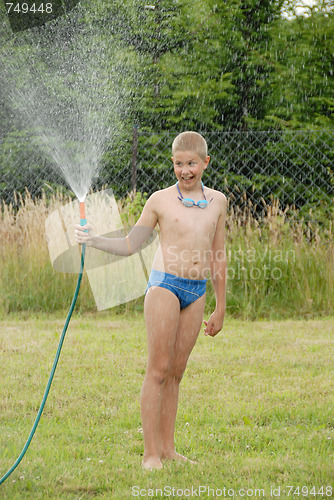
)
(189, 168)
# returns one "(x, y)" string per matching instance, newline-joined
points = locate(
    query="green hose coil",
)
(47, 389)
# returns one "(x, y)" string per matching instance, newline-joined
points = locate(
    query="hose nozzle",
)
(82, 209)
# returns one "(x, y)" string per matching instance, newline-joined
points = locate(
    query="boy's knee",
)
(165, 370)
(160, 374)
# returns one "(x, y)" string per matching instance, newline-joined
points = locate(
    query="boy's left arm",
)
(218, 276)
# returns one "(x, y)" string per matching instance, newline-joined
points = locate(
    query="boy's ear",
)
(206, 161)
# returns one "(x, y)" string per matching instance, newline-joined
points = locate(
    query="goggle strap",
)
(193, 203)
(177, 185)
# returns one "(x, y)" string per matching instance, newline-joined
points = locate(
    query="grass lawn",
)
(256, 411)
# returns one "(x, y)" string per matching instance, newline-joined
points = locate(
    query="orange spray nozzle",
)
(82, 210)
(83, 220)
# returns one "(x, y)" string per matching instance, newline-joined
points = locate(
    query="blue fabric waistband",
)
(157, 275)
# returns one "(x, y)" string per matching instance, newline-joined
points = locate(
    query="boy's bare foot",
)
(151, 463)
(178, 457)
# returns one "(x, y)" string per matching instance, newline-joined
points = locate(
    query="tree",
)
(303, 81)
(218, 77)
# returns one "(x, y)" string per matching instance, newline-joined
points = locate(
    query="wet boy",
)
(191, 219)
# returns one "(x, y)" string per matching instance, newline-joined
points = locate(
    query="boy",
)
(191, 219)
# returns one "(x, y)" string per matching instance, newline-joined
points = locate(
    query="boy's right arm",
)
(122, 246)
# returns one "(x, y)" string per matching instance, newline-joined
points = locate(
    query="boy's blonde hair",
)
(190, 141)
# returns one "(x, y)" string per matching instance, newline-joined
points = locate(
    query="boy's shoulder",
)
(161, 193)
(217, 195)
(159, 199)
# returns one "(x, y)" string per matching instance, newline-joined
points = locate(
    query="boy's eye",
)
(189, 164)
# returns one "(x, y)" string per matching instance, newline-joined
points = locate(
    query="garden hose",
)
(83, 222)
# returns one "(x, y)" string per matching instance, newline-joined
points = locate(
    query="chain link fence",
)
(252, 168)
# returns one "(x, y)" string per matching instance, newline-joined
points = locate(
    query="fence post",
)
(134, 158)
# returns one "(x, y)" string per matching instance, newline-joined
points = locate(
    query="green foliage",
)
(216, 64)
(23, 165)
(132, 207)
(302, 56)
(209, 65)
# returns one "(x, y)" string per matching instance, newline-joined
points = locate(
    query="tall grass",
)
(277, 267)
(280, 266)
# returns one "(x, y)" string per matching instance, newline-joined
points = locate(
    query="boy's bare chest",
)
(181, 220)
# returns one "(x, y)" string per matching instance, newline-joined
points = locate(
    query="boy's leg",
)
(187, 333)
(162, 313)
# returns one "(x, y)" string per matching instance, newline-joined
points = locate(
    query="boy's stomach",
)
(185, 263)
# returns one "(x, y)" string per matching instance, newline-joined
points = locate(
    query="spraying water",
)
(59, 81)
(61, 84)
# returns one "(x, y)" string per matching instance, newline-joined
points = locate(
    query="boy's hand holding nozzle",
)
(83, 231)
(84, 234)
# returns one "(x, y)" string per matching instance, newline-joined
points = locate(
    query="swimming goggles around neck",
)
(189, 202)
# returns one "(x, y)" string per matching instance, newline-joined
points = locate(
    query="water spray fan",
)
(83, 222)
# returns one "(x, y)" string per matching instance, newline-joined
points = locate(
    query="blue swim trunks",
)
(186, 290)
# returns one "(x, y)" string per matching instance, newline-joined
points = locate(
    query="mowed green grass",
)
(256, 410)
